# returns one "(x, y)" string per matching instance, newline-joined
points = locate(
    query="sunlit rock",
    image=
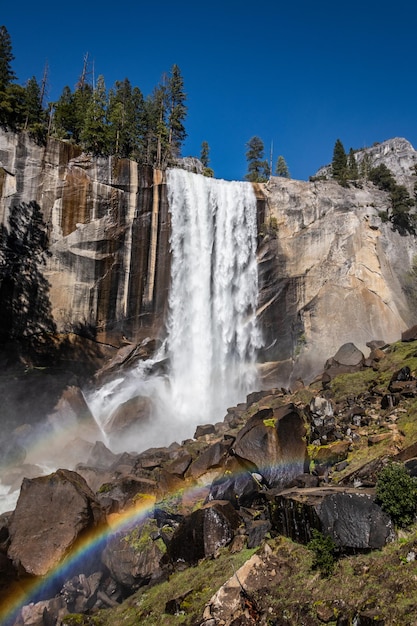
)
(51, 513)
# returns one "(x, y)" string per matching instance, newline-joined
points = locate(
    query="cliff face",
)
(330, 271)
(108, 228)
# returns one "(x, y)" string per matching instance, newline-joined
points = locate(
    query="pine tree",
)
(25, 310)
(161, 133)
(9, 108)
(365, 166)
(258, 167)
(339, 163)
(35, 122)
(7, 75)
(177, 111)
(125, 113)
(205, 160)
(282, 168)
(64, 122)
(94, 133)
(352, 166)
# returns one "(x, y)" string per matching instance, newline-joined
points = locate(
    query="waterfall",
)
(212, 335)
(211, 331)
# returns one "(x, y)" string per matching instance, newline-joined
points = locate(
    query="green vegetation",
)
(258, 167)
(344, 166)
(339, 163)
(195, 585)
(281, 168)
(25, 314)
(324, 549)
(401, 202)
(204, 158)
(396, 490)
(119, 122)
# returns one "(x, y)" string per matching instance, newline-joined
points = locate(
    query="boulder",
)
(73, 408)
(349, 355)
(241, 489)
(133, 555)
(410, 334)
(134, 411)
(273, 442)
(51, 514)
(212, 458)
(203, 532)
(350, 517)
(125, 491)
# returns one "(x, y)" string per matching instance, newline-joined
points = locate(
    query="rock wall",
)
(330, 271)
(108, 227)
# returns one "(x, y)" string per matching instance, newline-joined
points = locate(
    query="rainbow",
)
(91, 543)
(96, 539)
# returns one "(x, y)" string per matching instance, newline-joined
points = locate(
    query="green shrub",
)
(396, 491)
(324, 549)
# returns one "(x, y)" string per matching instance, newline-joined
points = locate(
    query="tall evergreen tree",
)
(365, 165)
(258, 167)
(205, 160)
(125, 113)
(352, 166)
(25, 311)
(94, 133)
(339, 163)
(161, 132)
(8, 105)
(64, 122)
(177, 111)
(7, 75)
(282, 168)
(35, 120)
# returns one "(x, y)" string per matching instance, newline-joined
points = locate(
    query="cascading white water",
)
(212, 331)
(212, 335)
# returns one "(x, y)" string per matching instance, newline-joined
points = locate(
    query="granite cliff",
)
(330, 270)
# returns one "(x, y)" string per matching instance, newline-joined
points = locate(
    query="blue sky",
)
(299, 74)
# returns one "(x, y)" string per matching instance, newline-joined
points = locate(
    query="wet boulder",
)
(51, 514)
(273, 443)
(72, 414)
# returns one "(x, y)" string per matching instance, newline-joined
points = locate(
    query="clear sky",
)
(298, 73)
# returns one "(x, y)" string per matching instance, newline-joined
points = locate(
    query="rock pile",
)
(278, 464)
